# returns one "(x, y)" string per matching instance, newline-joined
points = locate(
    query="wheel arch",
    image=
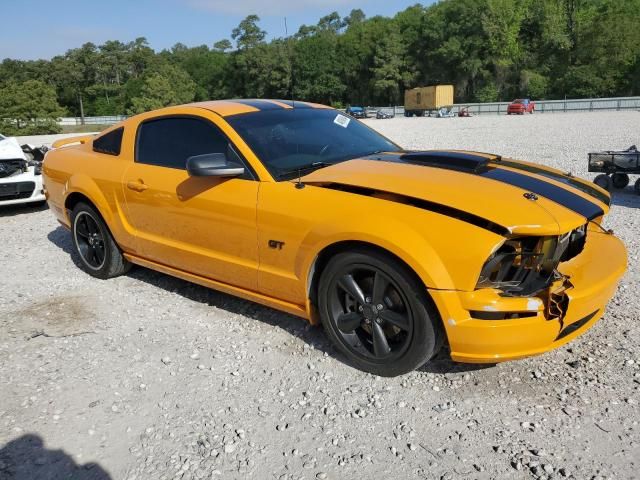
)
(323, 256)
(74, 198)
(82, 186)
(84, 189)
(322, 259)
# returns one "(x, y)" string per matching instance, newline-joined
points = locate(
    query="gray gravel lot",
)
(149, 377)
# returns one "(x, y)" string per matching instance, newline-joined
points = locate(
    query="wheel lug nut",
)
(360, 308)
(380, 307)
(367, 299)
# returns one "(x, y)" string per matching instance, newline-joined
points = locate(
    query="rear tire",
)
(620, 180)
(99, 254)
(636, 186)
(603, 181)
(377, 313)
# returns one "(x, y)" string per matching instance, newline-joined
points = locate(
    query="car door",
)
(202, 225)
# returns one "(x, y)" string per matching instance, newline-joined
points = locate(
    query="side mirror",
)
(213, 165)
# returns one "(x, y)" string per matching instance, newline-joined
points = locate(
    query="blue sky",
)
(43, 28)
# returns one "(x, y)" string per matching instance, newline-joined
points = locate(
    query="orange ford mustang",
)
(302, 208)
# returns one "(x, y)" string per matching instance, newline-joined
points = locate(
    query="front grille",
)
(17, 190)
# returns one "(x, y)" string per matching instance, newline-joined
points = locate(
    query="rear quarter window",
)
(109, 143)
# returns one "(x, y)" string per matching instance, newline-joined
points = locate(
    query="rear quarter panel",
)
(95, 175)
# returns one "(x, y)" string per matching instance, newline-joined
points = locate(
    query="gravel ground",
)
(149, 377)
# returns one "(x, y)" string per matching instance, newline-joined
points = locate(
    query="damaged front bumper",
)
(484, 326)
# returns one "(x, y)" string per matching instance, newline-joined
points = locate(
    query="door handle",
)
(137, 186)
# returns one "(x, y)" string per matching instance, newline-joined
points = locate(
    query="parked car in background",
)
(382, 114)
(520, 106)
(20, 173)
(357, 112)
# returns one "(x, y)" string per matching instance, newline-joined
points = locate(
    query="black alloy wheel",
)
(89, 240)
(375, 324)
(372, 309)
(99, 254)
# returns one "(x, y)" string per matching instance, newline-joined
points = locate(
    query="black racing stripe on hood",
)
(577, 184)
(259, 104)
(425, 205)
(557, 194)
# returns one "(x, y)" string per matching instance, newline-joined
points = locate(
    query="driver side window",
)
(170, 141)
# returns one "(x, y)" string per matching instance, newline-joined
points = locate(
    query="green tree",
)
(248, 34)
(356, 16)
(488, 49)
(387, 68)
(501, 24)
(222, 45)
(29, 108)
(316, 68)
(168, 85)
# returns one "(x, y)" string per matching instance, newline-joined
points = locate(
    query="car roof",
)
(227, 108)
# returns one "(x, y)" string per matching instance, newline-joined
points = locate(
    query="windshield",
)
(519, 100)
(306, 138)
(355, 109)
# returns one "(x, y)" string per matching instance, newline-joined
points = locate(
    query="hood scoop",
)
(459, 161)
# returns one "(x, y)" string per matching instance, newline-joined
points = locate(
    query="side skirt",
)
(291, 308)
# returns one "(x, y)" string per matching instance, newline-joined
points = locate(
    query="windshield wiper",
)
(375, 152)
(304, 168)
(366, 154)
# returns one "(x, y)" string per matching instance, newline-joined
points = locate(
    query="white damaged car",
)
(20, 172)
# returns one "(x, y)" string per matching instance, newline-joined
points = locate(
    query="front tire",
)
(99, 254)
(377, 313)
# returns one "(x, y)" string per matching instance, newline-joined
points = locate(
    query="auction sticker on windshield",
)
(342, 120)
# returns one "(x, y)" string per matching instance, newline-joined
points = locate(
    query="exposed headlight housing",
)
(523, 266)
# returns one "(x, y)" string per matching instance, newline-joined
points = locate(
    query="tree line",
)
(490, 50)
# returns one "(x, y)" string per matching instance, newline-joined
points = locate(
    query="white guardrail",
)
(497, 108)
(104, 120)
(542, 106)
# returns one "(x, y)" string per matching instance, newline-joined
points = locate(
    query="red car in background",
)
(520, 106)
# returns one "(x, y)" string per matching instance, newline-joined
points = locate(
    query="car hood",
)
(514, 197)
(10, 149)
